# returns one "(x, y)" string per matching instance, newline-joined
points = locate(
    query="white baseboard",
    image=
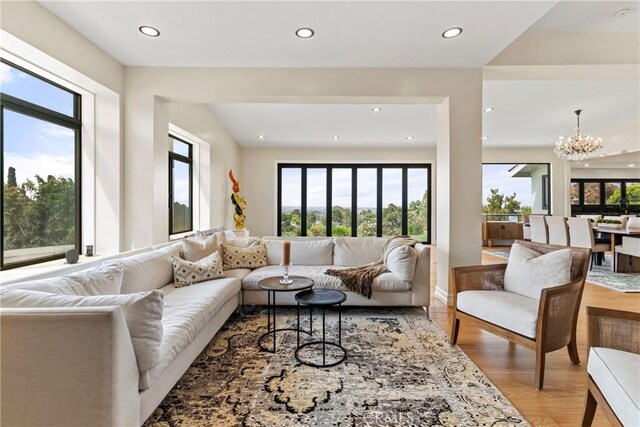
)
(443, 296)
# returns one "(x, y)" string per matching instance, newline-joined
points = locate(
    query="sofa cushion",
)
(616, 374)
(528, 272)
(401, 261)
(142, 312)
(186, 273)
(187, 311)
(195, 250)
(147, 271)
(238, 273)
(355, 251)
(386, 282)
(106, 280)
(303, 252)
(506, 309)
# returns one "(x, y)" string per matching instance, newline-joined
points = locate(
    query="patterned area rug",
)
(400, 370)
(601, 275)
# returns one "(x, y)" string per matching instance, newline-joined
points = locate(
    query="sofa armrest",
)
(67, 367)
(478, 278)
(615, 329)
(421, 286)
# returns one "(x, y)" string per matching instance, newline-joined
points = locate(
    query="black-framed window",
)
(369, 199)
(40, 146)
(180, 186)
(602, 196)
(510, 190)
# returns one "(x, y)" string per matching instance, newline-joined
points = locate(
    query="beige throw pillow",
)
(253, 256)
(195, 250)
(186, 273)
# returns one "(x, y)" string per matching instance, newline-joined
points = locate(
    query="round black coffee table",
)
(322, 298)
(272, 286)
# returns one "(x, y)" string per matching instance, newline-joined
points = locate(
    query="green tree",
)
(633, 195)
(391, 220)
(498, 203)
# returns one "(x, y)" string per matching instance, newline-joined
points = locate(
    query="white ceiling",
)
(620, 161)
(590, 16)
(536, 113)
(261, 34)
(313, 125)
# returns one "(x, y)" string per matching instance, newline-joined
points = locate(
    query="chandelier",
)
(578, 147)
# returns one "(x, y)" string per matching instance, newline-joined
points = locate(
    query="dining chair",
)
(633, 222)
(558, 230)
(539, 232)
(581, 236)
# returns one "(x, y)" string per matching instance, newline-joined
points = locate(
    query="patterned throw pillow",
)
(253, 256)
(186, 273)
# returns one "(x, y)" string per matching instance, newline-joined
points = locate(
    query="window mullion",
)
(354, 202)
(328, 212)
(303, 202)
(405, 198)
(379, 201)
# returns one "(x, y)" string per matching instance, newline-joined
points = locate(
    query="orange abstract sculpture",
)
(239, 203)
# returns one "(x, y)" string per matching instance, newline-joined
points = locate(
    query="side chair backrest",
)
(633, 222)
(581, 233)
(539, 232)
(558, 230)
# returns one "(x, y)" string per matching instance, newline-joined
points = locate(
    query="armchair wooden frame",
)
(615, 329)
(557, 311)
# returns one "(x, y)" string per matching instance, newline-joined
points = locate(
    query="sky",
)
(33, 146)
(498, 176)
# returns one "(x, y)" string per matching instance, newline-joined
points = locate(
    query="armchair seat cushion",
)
(509, 310)
(615, 372)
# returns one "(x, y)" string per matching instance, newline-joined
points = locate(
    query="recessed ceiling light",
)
(409, 138)
(452, 32)
(488, 109)
(335, 137)
(602, 155)
(622, 12)
(376, 109)
(149, 31)
(304, 33)
(484, 138)
(632, 165)
(586, 165)
(261, 137)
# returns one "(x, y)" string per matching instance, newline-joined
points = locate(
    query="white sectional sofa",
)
(77, 365)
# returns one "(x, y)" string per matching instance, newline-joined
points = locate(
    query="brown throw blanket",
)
(360, 279)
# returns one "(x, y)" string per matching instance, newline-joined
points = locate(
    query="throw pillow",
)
(142, 312)
(529, 272)
(401, 261)
(251, 257)
(105, 280)
(147, 271)
(186, 273)
(195, 250)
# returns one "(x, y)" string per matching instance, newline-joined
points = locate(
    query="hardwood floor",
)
(511, 367)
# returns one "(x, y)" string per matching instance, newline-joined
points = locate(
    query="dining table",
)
(614, 233)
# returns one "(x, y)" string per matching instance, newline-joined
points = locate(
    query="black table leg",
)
(324, 341)
(340, 324)
(298, 328)
(268, 311)
(274, 321)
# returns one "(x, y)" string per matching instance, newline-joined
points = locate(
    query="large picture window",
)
(354, 200)
(40, 158)
(180, 186)
(511, 190)
(605, 196)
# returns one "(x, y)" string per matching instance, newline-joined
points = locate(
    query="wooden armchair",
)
(617, 330)
(557, 309)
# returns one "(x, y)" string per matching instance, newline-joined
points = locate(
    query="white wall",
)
(224, 154)
(597, 173)
(259, 175)
(560, 171)
(35, 38)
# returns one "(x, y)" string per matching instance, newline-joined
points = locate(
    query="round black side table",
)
(322, 298)
(272, 285)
